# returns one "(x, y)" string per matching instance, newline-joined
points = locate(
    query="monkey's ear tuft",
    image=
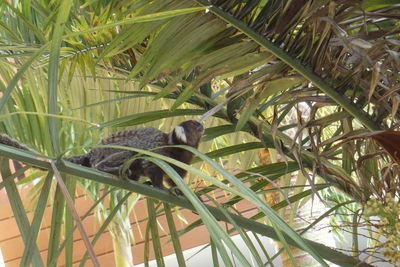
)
(180, 134)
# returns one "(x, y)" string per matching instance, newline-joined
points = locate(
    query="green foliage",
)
(388, 225)
(303, 77)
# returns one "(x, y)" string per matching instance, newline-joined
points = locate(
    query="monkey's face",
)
(187, 133)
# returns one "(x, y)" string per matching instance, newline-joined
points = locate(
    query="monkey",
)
(111, 159)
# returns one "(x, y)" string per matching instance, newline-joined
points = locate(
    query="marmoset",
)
(110, 159)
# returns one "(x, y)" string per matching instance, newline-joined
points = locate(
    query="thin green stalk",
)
(174, 236)
(19, 210)
(155, 237)
(37, 220)
(54, 58)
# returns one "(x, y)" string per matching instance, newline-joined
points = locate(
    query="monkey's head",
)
(186, 133)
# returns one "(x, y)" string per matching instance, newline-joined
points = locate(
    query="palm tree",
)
(303, 77)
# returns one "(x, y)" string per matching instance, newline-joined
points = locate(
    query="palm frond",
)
(70, 168)
(343, 45)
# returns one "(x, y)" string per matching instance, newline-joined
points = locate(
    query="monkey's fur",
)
(110, 159)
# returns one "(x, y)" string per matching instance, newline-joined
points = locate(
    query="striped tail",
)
(8, 141)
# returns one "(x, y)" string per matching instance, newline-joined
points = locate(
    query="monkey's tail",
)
(8, 141)
(80, 159)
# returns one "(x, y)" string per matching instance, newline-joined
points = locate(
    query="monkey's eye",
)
(198, 126)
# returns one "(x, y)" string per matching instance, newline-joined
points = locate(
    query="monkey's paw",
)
(175, 191)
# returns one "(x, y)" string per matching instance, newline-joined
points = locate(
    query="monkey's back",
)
(144, 138)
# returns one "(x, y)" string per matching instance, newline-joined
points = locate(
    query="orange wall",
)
(12, 246)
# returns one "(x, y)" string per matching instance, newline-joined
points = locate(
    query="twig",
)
(74, 213)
